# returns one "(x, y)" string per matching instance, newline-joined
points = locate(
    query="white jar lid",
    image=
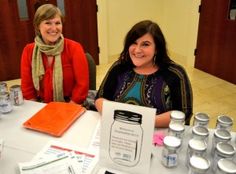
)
(222, 134)
(197, 144)
(200, 116)
(225, 148)
(200, 130)
(177, 115)
(226, 165)
(200, 163)
(224, 119)
(172, 141)
(176, 127)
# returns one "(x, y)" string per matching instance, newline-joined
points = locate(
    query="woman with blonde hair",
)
(53, 68)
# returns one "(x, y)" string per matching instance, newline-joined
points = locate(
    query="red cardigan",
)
(75, 73)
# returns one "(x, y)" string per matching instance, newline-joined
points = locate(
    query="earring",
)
(154, 59)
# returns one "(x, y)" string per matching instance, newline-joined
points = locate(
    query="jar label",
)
(170, 160)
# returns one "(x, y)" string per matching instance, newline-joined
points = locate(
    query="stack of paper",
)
(60, 158)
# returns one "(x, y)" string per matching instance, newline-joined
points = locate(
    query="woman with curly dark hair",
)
(145, 75)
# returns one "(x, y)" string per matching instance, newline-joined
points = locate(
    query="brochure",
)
(57, 157)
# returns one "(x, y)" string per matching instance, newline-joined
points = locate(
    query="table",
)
(21, 145)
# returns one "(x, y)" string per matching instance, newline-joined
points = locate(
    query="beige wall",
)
(177, 18)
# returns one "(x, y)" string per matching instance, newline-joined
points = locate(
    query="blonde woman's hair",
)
(45, 12)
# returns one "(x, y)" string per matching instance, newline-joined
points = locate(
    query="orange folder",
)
(55, 118)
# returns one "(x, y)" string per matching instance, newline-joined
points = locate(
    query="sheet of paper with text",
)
(126, 137)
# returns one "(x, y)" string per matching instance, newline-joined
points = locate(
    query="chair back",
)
(92, 71)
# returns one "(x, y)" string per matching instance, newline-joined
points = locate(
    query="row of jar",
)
(199, 137)
(196, 159)
(202, 119)
(9, 98)
(200, 131)
(197, 145)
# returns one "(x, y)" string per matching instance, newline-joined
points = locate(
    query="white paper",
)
(62, 165)
(1, 147)
(95, 142)
(126, 145)
(83, 160)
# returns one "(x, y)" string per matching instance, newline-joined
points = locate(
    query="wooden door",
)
(216, 43)
(16, 29)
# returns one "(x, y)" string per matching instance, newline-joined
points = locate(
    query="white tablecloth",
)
(21, 145)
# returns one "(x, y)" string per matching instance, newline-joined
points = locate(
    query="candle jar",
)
(220, 135)
(224, 122)
(201, 119)
(16, 95)
(176, 130)
(177, 117)
(3, 87)
(5, 103)
(196, 147)
(170, 151)
(223, 150)
(201, 133)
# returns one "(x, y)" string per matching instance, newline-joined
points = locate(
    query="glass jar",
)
(170, 151)
(5, 103)
(177, 117)
(126, 138)
(220, 135)
(16, 95)
(226, 166)
(201, 119)
(195, 147)
(3, 87)
(201, 133)
(198, 165)
(224, 122)
(176, 130)
(223, 150)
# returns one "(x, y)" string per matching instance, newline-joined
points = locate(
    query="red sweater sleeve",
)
(27, 86)
(80, 71)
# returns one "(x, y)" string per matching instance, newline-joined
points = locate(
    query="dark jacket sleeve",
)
(181, 90)
(108, 86)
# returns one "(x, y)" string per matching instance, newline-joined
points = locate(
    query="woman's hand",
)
(71, 101)
(98, 104)
(162, 120)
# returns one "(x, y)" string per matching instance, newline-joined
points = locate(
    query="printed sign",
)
(126, 137)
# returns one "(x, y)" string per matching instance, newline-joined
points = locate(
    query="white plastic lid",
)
(172, 141)
(200, 130)
(201, 116)
(200, 163)
(225, 148)
(222, 134)
(177, 115)
(176, 127)
(197, 144)
(224, 119)
(227, 165)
